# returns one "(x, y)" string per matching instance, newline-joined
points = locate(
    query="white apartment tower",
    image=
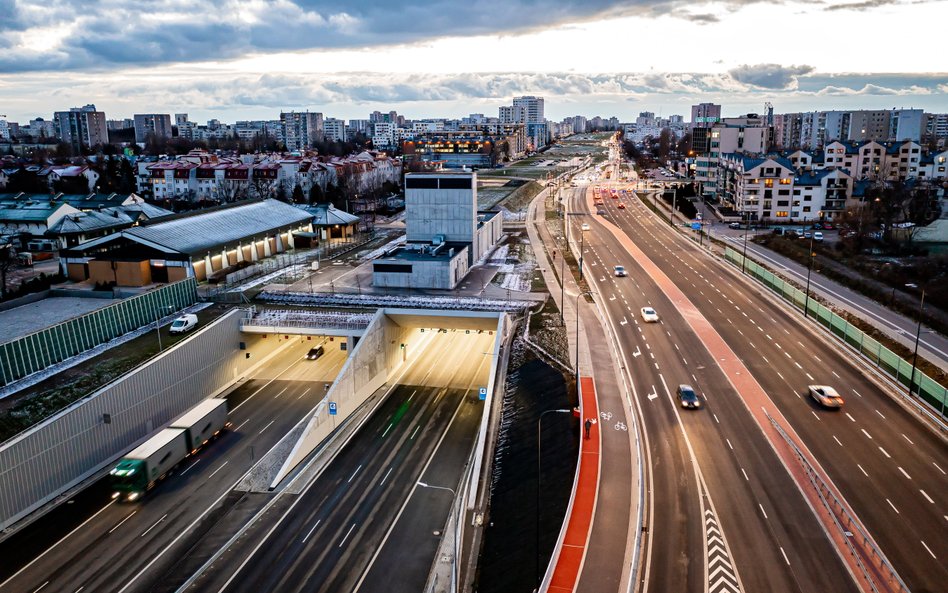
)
(301, 129)
(532, 108)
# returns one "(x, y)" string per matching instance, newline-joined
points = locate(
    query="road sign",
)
(482, 393)
(332, 408)
(696, 226)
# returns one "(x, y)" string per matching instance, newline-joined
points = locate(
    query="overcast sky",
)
(250, 59)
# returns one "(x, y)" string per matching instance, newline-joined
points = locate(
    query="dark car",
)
(688, 397)
(314, 353)
(734, 225)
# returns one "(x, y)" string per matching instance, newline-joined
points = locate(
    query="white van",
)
(183, 324)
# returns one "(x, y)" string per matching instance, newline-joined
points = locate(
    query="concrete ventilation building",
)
(704, 115)
(445, 233)
(82, 127)
(158, 124)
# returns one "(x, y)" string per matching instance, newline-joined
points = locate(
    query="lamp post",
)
(806, 300)
(746, 217)
(582, 237)
(457, 526)
(158, 322)
(537, 526)
(918, 334)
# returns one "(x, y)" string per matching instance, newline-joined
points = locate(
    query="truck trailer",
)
(151, 461)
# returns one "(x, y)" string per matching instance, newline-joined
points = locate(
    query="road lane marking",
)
(815, 415)
(729, 444)
(927, 497)
(241, 424)
(927, 548)
(745, 474)
(155, 525)
(318, 521)
(348, 533)
(267, 426)
(133, 512)
(893, 507)
(884, 452)
(414, 432)
(785, 559)
(281, 392)
(217, 470)
(907, 439)
(81, 525)
(850, 417)
(762, 510)
(857, 393)
(866, 433)
(387, 429)
(939, 469)
(40, 587)
(835, 375)
(862, 470)
(187, 469)
(386, 476)
(810, 377)
(837, 441)
(354, 473)
(904, 473)
(880, 413)
(716, 418)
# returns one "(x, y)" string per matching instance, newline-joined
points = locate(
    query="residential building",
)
(156, 124)
(82, 127)
(511, 114)
(301, 129)
(532, 109)
(334, 129)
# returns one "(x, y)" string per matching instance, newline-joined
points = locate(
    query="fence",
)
(901, 370)
(39, 350)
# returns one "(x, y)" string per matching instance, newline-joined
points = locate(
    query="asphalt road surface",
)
(364, 524)
(96, 544)
(888, 467)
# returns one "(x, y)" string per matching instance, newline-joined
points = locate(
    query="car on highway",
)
(619, 271)
(826, 396)
(314, 353)
(585, 227)
(688, 398)
(649, 315)
(734, 225)
(621, 206)
(601, 212)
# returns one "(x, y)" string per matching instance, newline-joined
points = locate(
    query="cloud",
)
(769, 76)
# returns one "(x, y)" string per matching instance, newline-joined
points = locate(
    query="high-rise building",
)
(511, 114)
(334, 129)
(532, 109)
(704, 115)
(82, 127)
(180, 118)
(157, 124)
(906, 124)
(301, 129)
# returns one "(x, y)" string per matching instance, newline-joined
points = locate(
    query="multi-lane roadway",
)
(715, 464)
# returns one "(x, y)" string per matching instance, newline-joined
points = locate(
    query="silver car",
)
(826, 396)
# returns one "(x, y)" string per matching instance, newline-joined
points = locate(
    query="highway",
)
(888, 467)
(718, 492)
(97, 544)
(364, 524)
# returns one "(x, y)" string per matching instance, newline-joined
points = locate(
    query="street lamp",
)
(582, 237)
(806, 300)
(746, 218)
(158, 322)
(537, 530)
(918, 333)
(457, 527)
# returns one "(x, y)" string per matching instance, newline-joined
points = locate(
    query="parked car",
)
(688, 398)
(818, 236)
(826, 396)
(620, 271)
(734, 225)
(183, 324)
(649, 315)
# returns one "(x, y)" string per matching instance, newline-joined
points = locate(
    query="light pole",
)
(746, 217)
(158, 322)
(918, 334)
(582, 237)
(457, 526)
(806, 300)
(537, 530)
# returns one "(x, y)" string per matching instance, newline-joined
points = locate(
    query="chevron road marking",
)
(721, 575)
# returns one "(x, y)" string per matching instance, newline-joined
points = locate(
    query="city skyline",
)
(601, 58)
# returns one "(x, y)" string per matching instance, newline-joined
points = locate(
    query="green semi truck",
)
(142, 468)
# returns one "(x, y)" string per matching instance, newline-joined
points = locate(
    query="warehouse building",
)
(204, 244)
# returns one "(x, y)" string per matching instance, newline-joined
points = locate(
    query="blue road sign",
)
(696, 226)
(332, 408)
(482, 393)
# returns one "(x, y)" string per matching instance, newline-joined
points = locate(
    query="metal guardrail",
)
(844, 520)
(306, 320)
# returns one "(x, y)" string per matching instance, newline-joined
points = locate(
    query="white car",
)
(649, 315)
(585, 226)
(826, 396)
(620, 271)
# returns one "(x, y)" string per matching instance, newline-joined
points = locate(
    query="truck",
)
(143, 467)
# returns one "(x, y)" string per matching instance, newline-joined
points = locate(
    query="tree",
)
(298, 194)
(316, 195)
(7, 261)
(664, 143)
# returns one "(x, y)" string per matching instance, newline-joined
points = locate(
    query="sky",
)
(251, 59)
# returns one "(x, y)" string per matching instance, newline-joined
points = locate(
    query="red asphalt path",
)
(573, 548)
